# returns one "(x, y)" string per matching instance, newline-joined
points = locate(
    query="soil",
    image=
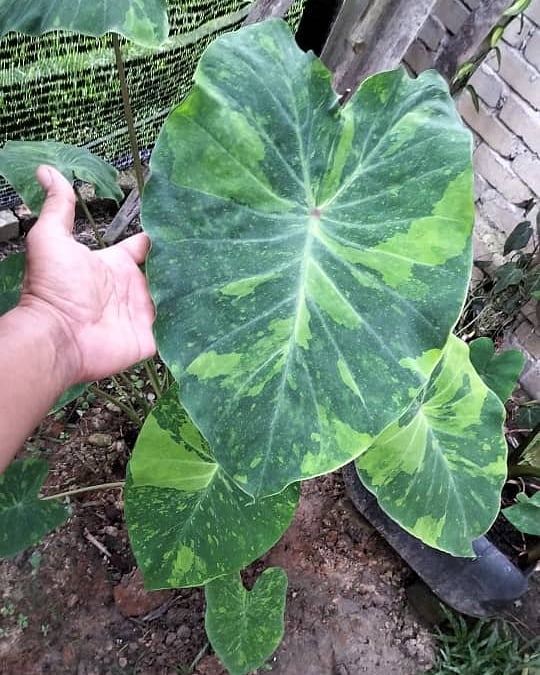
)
(75, 604)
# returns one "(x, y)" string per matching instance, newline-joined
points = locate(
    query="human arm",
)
(83, 315)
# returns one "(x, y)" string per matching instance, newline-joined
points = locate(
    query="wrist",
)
(32, 320)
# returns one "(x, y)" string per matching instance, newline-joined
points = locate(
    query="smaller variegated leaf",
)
(525, 515)
(24, 518)
(188, 522)
(439, 470)
(245, 627)
(500, 372)
(20, 159)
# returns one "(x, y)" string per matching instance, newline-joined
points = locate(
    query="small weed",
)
(22, 621)
(483, 648)
(4, 632)
(8, 610)
(44, 629)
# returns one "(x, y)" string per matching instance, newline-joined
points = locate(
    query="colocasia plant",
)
(309, 262)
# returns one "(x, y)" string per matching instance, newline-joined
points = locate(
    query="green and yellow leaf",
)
(188, 521)
(306, 259)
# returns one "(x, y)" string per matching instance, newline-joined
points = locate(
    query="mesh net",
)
(64, 87)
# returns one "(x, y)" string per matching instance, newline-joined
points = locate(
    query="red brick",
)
(489, 86)
(488, 127)
(452, 14)
(518, 74)
(418, 57)
(432, 33)
(532, 50)
(518, 33)
(499, 174)
(523, 120)
(533, 12)
(526, 165)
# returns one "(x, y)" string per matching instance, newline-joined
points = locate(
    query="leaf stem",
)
(89, 217)
(128, 112)
(129, 410)
(140, 399)
(153, 376)
(90, 488)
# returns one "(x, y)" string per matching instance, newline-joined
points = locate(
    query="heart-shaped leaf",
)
(20, 159)
(439, 470)
(525, 515)
(25, 519)
(306, 258)
(245, 627)
(11, 280)
(143, 21)
(206, 526)
(501, 371)
(518, 238)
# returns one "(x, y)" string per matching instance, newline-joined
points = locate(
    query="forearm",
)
(33, 374)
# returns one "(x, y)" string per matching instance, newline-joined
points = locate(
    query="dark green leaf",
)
(518, 238)
(528, 416)
(525, 516)
(25, 519)
(11, 279)
(143, 21)
(70, 395)
(440, 469)
(507, 275)
(246, 627)
(307, 258)
(188, 522)
(20, 159)
(500, 372)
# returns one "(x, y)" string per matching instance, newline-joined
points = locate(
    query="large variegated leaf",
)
(11, 280)
(20, 159)
(24, 518)
(245, 627)
(440, 469)
(306, 258)
(188, 522)
(143, 21)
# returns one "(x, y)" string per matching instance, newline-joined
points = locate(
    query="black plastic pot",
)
(480, 587)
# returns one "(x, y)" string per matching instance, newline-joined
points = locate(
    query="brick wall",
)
(507, 141)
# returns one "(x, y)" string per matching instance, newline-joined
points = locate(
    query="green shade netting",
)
(64, 87)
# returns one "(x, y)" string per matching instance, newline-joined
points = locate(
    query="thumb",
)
(58, 210)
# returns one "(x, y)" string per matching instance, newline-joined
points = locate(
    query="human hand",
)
(98, 302)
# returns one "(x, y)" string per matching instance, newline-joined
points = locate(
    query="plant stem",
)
(90, 488)
(90, 218)
(153, 376)
(140, 398)
(129, 410)
(518, 470)
(128, 112)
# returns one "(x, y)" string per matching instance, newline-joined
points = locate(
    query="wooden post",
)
(264, 9)
(368, 37)
(464, 47)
